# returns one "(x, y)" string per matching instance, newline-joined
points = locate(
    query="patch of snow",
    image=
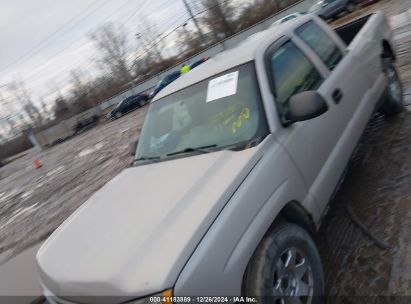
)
(18, 213)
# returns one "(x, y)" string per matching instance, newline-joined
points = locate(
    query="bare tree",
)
(44, 110)
(81, 89)
(19, 93)
(189, 42)
(111, 41)
(269, 6)
(61, 108)
(258, 10)
(266, 8)
(149, 39)
(8, 123)
(218, 17)
(6, 119)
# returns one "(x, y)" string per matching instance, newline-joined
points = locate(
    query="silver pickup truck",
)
(234, 168)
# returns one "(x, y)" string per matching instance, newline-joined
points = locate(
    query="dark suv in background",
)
(173, 76)
(129, 104)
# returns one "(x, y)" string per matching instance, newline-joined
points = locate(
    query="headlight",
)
(164, 297)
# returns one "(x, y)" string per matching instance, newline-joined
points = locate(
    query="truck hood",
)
(133, 237)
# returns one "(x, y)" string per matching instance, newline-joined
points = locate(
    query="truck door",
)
(344, 88)
(295, 67)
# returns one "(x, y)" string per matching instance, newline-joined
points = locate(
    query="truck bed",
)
(348, 31)
(367, 36)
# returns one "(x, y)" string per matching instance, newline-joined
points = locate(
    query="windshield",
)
(220, 112)
(285, 19)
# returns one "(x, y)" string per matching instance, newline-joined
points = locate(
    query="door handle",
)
(337, 96)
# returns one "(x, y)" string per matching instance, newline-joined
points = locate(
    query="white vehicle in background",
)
(235, 166)
(287, 18)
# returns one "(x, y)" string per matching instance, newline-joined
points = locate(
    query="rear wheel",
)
(141, 103)
(286, 268)
(394, 102)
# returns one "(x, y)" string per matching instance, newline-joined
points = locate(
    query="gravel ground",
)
(377, 186)
(35, 202)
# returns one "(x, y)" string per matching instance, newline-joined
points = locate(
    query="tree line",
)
(125, 58)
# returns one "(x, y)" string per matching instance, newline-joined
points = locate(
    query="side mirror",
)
(132, 147)
(304, 106)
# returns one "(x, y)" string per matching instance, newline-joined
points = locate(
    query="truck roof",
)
(244, 52)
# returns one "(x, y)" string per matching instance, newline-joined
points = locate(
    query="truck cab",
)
(235, 165)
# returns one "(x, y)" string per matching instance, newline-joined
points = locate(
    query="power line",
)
(160, 39)
(164, 35)
(30, 54)
(87, 60)
(160, 4)
(135, 13)
(188, 8)
(129, 49)
(46, 41)
(71, 45)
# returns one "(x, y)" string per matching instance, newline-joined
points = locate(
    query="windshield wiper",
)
(198, 149)
(148, 158)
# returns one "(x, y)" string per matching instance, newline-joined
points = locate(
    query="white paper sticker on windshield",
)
(222, 86)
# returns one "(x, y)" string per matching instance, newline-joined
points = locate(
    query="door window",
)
(292, 72)
(321, 43)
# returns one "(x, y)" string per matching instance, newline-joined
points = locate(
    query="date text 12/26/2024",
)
(202, 299)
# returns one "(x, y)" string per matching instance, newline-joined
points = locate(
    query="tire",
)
(394, 102)
(275, 272)
(141, 103)
(351, 7)
(117, 115)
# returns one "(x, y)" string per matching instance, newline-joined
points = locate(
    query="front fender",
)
(217, 265)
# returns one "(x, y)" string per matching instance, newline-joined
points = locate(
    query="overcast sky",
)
(42, 40)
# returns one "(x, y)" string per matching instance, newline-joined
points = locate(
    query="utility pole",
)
(203, 39)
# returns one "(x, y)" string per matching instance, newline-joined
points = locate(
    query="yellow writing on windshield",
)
(238, 123)
(230, 118)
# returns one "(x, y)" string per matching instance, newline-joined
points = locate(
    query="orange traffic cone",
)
(38, 164)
